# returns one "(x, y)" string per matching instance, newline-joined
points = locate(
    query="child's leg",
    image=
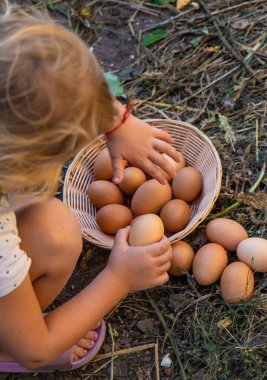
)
(51, 236)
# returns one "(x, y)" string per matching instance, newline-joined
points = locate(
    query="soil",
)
(182, 319)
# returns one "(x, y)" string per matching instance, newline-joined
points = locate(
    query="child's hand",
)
(139, 268)
(141, 145)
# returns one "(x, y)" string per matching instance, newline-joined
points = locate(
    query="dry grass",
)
(210, 70)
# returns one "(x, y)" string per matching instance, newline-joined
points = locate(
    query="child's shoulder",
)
(14, 263)
(8, 223)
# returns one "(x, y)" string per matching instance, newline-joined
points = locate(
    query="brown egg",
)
(175, 215)
(134, 219)
(187, 184)
(146, 229)
(102, 193)
(103, 166)
(253, 252)
(133, 178)
(182, 258)
(150, 197)
(226, 232)
(175, 165)
(112, 217)
(209, 263)
(237, 282)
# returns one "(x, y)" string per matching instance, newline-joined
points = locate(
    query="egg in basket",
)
(101, 206)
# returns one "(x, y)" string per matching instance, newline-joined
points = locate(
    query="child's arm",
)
(33, 341)
(140, 144)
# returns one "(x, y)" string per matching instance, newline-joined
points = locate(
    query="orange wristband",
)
(125, 116)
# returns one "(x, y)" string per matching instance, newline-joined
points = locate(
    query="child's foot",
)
(79, 350)
(84, 344)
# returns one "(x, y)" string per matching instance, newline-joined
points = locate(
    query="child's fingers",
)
(162, 279)
(164, 258)
(150, 168)
(164, 164)
(118, 169)
(157, 249)
(162, 135)
(163, 147)
(122, 235)
(164, 268)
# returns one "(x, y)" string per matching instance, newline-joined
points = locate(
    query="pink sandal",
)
(63, 363)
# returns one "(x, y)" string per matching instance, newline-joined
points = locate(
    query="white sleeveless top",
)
(14, 263)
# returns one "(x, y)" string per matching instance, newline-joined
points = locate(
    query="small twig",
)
(97, 370)
(163, 114)
(257, 140)
(237, 204)
(157, 361)
(165, 22)
(132, 19)
(173, 343)
(125, 351)
(167, 105)
(194, 118)
(112, 352)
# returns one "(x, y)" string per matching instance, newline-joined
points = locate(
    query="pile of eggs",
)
(153, 209)
(210, 263)
(143, 203)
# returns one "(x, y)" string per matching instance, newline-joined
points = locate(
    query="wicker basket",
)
(198, 152)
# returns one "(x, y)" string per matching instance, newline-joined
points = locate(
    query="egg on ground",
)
(253, 252)
(150, 197)
(237, 282)
(226, 232)
(175, 215)
(102, 193)
(111, 218)
(146, 229)
(187, 184)
(209, 263)
(182, 258)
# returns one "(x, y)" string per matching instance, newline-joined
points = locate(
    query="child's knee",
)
(50, 229)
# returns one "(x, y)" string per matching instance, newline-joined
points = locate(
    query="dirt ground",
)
(210, 65)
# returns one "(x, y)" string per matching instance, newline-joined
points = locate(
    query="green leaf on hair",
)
(114, 84)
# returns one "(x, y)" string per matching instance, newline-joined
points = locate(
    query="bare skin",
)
(50, 223)
(49, 230)
(141, 145)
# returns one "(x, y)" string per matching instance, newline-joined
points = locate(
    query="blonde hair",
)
(53, 101)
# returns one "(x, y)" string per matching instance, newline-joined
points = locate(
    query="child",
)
(53, 101)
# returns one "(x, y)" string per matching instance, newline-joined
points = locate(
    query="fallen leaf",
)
(157, 35)
(196, 41)
(240, 24)
(180, 4)
(224, 323)
(86, 12)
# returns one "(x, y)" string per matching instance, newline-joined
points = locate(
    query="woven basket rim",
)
(173, 238)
